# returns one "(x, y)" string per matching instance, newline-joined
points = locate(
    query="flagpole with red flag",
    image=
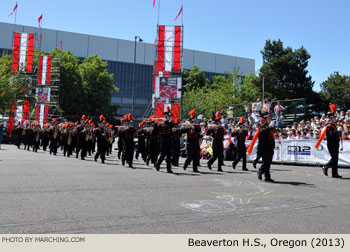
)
(40, 28)
(182, 15)
(14, 10)
(14, 25)
(16, 14)
(158, 11)
(179, 13)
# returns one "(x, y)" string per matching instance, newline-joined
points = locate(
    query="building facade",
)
(120, 57)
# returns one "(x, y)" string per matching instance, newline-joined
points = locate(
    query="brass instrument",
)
(90, 135)
(110, 139)
(54, 134)
(69, 141)
(37, 137)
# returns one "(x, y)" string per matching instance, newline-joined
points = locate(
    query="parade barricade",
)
(304, 152)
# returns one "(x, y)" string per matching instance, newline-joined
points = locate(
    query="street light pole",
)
(263, 89)
(134, 77)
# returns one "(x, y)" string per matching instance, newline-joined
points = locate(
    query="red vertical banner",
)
(177, 49)
(37, 114)
(30, 53)
(46, 114)
(175, 111)
(16, 43)
(40, 71)
(160, 58)
(159, 110)
(48, 70)
(25, 113)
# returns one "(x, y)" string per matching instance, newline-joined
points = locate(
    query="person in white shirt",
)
(259, 106)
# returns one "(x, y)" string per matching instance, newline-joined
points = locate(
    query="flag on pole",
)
(154, 3)
(179, 12)
(14, 9)
(39, 20)
(61, 45)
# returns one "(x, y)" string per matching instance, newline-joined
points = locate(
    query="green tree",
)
(336, 89)
(286, 75)
(98, 85)
(248, 91)
(285, 71)
(222, 93)
(195, 78)
(86, 86)
(72, 96)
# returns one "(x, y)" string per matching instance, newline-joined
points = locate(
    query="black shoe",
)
(169, 171)
(259, 176)
(245, 169)
(130, 166)
(147, 162)
(158, 167)
(123, 162)
(195, 170)
(269, 180)
(209, 166)
(81, 158)
(220, 170)
(325, 170)
(185, 166)
(233, 166)
(336, 176)
(254, 165)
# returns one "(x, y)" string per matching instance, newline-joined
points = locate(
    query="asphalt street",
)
(40, 193)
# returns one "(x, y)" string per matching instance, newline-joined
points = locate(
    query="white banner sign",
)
(304, 152)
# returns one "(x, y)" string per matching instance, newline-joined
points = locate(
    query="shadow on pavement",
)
(185, 174)
(211, 173)
(293, 183)
(236, 172)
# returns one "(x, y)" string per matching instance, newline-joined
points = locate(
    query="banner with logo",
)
(304, 152)
(168, 87)
(43, 94)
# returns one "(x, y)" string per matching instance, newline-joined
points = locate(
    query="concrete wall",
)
(83, 45)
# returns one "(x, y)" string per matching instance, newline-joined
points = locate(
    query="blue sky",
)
(238, 28)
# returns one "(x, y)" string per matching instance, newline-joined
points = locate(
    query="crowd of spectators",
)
(302, 130)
